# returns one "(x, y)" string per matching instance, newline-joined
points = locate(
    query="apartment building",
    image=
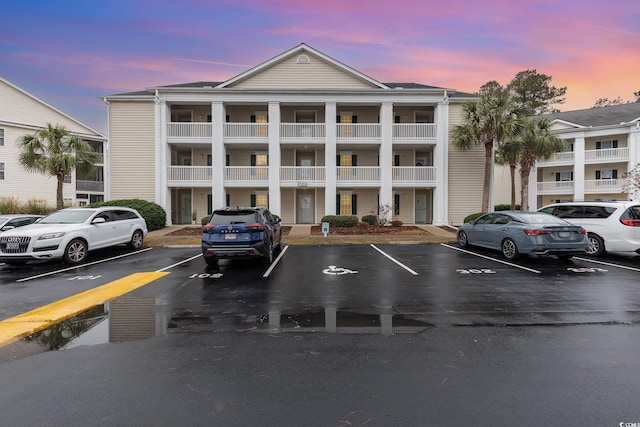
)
(602, 145)
(302, 134)
(23, 114)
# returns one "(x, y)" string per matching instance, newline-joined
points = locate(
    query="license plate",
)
(12, 246)
(564, 234)
(231, 236)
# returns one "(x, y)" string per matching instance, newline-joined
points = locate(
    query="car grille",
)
(16, 244)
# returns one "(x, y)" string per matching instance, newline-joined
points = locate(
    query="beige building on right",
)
(602, 145)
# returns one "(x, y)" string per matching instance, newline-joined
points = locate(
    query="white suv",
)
(71, 233)
(611, 226)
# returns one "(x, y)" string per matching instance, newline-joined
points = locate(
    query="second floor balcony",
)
(308, 133)
(605, 155)
(594, 186)
(301, 176)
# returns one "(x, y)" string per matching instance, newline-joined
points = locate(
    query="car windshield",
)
(240, 217)
(77, 216)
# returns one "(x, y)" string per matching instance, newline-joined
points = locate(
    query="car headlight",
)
(51, 236)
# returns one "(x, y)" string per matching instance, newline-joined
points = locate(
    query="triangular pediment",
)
(20, 107)
(302, 68)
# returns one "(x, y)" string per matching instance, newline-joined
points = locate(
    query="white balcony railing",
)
(606, 155)
(302, 174)
(414, 131)
(302, 131)
(604, 186)
(189, 175)
(191, 130)
(358, 174)
(242, 175)
(246, 131)
(359, 131)
(414, 175)
(563, 157)
(555, 187)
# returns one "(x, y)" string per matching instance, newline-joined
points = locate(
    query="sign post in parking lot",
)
(325, 228)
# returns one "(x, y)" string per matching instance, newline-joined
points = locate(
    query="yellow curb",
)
(25, 324)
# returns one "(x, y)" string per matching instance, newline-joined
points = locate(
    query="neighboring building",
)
(21, 114)
(603, 144)
(302, 134)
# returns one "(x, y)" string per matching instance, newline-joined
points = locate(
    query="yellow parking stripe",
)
(25, 324)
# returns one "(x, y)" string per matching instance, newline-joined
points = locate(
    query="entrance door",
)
(421, 208)
(305, 209)
(186, 209)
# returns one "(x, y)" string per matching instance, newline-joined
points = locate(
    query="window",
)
(564, 179)
(1, 170)
(1, 137)
(396, 204)
(260, 162)
(260, 200)
(606, 148)
(345, 119)
(181, 116)
(346, 159)
(346, 203)
(261, 119)
(607, 174)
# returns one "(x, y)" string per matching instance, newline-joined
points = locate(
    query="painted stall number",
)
(85, 277)
(476, 271)
(206, 276)
(585, 270)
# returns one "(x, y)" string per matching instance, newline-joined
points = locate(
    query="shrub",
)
(473, 216)
(396, 223)
(37, 207)
(341, 220)
(153, 214)
(9, 205)
(505, 208)
(370, 219)
(205, 220)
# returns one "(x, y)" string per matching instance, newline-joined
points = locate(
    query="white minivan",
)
(611, 226)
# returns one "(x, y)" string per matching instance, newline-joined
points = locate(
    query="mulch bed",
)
(317, 230)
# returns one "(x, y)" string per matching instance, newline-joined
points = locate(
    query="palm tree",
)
(489, 120)
(53, 151)
(537, 143)
(508, 153)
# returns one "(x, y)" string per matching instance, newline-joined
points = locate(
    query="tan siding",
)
(466, 175)
(287, 203)
(367, 201)
(320, 205)
(132, 150)
(406, 205)
(289, 74)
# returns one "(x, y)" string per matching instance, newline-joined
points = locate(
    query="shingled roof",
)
(601, 116)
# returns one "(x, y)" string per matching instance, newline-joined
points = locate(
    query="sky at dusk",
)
(71, 53)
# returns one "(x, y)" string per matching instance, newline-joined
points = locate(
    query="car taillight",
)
(256, 227)
(582, 231)
(631, 222)
(535, 232)
(207, 227)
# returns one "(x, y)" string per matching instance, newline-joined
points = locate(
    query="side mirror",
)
(98, 221)
(8, 227)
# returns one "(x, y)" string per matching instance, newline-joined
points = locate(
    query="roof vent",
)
(303, 59)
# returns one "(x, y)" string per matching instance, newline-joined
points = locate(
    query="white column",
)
(386, 156)
(533, 189)
(440, 161)
(162, 150)
(218, 161)
(578, 169)
(330, 158)
(274, 158)
(634, 155)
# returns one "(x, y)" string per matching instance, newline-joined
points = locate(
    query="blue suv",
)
(241, 233)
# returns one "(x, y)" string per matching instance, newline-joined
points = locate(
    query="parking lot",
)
(401, 334)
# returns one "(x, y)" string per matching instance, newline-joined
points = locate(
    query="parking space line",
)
(178, 263)
(607, 263)
(492, 259)
(273, 264)
(395, 260)
(81, 265)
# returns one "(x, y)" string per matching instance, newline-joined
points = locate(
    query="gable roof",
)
(44, 107)
(302, 48)
(601, 116)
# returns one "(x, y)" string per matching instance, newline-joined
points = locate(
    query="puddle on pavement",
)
(129, 318)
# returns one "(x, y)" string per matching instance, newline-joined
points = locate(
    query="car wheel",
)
(463, 240)
(211, 261)
(136, 240)
(596, 245)
(268, 257)
(75, 252)
(509, 249)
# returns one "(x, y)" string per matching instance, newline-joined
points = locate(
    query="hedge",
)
(341, 220)
(153, 214)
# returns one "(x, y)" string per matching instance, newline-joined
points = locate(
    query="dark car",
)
(241, 233)
(528, 233)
